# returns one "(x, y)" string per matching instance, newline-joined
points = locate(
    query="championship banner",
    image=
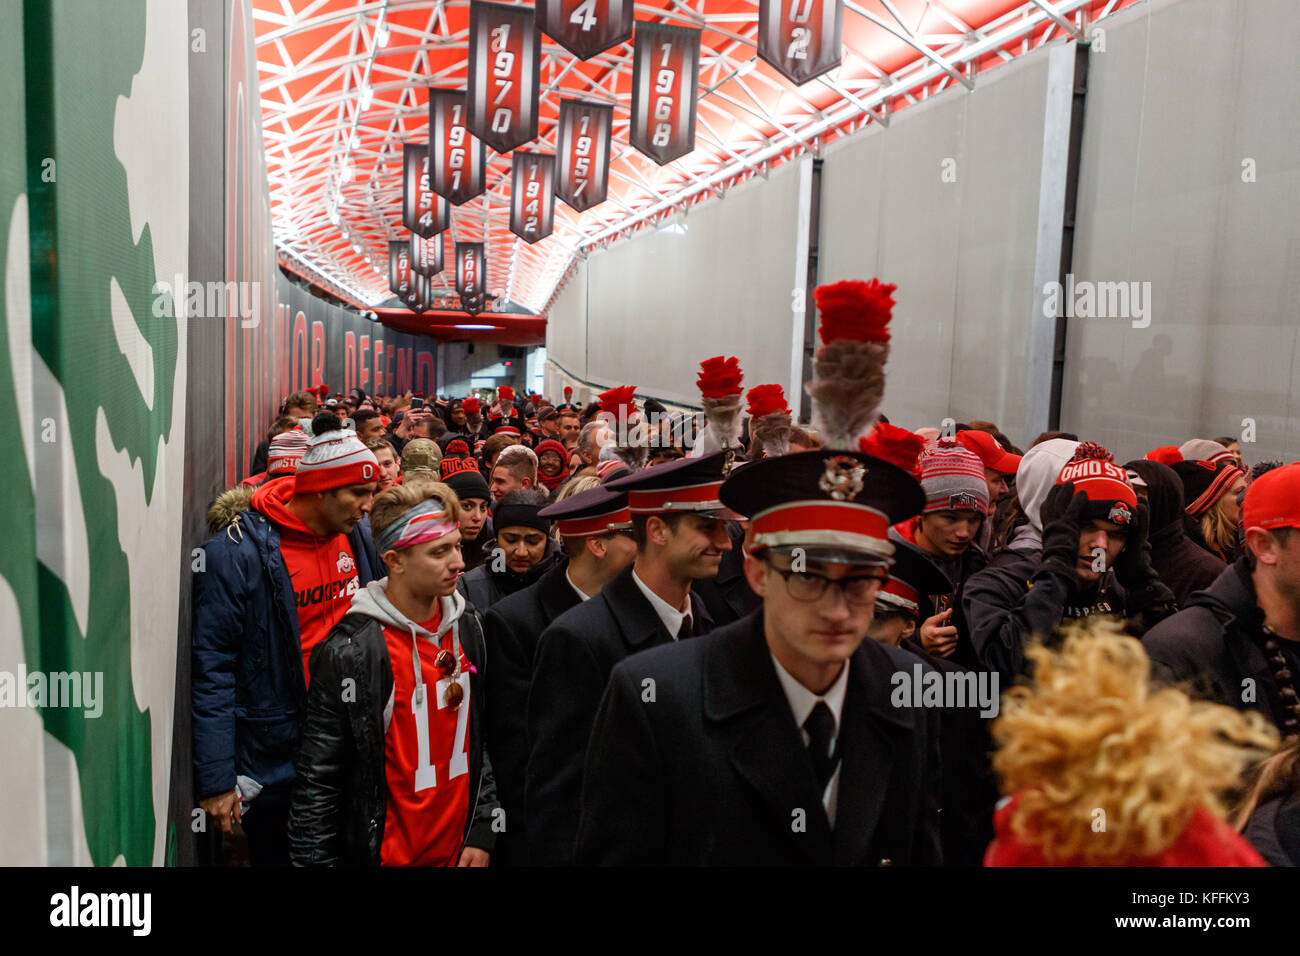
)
(399, 269)
(471, 269)
(472, 305)
(800, 38)
(423, 292)
(423, 213)
(586, 27)
(456, 157)
(532, 195)
(505, 53)
(426, 255)
(665, 76)
(582, 153)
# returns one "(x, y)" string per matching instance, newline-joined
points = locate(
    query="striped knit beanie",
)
(952, 478)
(284, 451)
(335, 460)
(1205, 482)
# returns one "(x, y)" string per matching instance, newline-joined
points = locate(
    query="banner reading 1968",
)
(665, 75)
(399, 269)
(582, 153)
(423, 213)
(456, 158)
(586, 27)
(532, 195)
(426, 255)
(801, 38)
(505, 53)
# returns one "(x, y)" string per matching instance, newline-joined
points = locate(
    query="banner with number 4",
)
(586, 27)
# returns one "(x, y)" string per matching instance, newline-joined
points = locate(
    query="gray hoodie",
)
(372, 601)
(1034, 479)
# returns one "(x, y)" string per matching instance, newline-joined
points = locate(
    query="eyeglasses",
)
(859, 591)
(450, 668)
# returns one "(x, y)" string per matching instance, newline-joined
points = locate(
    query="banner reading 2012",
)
(399, 269)
(505, 52)
(801, 38)
(665, 75)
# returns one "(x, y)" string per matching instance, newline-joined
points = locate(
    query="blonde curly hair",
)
(1094, 733)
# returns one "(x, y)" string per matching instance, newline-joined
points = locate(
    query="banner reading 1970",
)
(505, 52)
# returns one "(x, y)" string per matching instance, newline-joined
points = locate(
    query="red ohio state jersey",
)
(426, 759)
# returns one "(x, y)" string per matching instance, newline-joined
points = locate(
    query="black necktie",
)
(687, 627)
(821, 727)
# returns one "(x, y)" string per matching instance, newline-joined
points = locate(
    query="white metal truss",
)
(342, 88)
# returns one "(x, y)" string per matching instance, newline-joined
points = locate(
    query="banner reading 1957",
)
(665, 75)
(423, 213)
(801, 38)
(456, 158)
(426, 255)
(505, 52)
(532, 195)
(586, 27)
(399, 269)
(582, 153)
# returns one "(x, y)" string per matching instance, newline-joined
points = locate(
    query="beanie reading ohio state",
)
(1093, 471)
(335, 460)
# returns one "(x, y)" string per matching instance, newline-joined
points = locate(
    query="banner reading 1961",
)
(426, 255)
(665, 75)
(582, 153)
(586, 27)
(801, 38)
(456, 158)
(532, 195)
(423, 213)
(505, 53)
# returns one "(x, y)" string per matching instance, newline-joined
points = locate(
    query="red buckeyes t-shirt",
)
(322, 571)
(426, 758)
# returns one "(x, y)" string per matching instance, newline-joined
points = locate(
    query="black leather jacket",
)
(340, 792)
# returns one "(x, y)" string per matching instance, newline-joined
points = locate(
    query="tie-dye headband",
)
(425, 522)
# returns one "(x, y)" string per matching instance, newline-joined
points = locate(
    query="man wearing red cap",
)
(277, 579)
(999, 473)
(1239, 639)
(681, 534)
(595, 528)
(1094, 559)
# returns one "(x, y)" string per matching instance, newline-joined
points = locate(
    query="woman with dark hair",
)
(1183, 565)
(1269, 817)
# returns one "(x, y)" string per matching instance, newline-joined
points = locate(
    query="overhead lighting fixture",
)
(345, 174)
(381, 34)
(747, 67)
(356, 141)
(481, 328)
(367, 97)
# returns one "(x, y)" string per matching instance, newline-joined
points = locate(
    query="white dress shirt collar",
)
(802, 700)
(671, 617)
(582, 595)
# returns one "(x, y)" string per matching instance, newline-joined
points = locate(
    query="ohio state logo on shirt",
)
(345, 563)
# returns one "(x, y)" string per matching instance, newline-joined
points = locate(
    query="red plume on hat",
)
(898, 446)
(470, 405)
(769, 419)
(849, 369)
(720, 392)
(1165, 454)
(619, 401)
(568, 392)
(505, 394)
(322, 390)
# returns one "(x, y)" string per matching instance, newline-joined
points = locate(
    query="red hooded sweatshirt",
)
(322, 571)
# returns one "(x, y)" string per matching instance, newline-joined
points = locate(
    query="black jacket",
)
(959, 570)
(1216, 643)
(729, 596)
(712, 769)
(1183, 565)
(483, 587)
(1274, 830)
(1004, 606)
(574, 658)
(513, 627)
(337, 812)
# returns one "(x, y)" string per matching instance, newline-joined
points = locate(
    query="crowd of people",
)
(498, 630)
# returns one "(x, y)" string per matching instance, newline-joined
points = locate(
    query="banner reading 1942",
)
(505, 52)
(665, 75)
(586, 27)
(582, 153)
(801, 38)
(532, 195)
